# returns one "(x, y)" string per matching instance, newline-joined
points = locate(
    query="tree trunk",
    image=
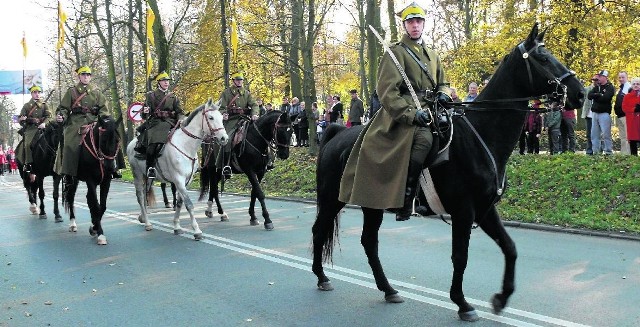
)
(225, 42)
(374, 48)
(294, 50)
(161, 43)
(362, 27)
(393, 28)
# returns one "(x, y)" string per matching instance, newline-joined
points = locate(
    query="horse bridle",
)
(95, 150)
(552, 79)
(212, 131)
(273, 143)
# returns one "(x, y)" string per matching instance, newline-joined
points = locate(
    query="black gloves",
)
(637, 108)
(422, 118)
(444, 100)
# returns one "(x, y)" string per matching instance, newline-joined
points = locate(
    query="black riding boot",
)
(151, 161)
(413, 176)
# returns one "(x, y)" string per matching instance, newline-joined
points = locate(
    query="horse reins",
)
(94, 150)
(273, 143)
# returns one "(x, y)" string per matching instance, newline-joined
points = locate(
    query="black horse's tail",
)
(207, 171)
(327, 224)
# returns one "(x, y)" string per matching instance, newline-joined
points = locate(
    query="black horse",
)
(43, 151)
(250, 156)
(98, 150)
(469, 184)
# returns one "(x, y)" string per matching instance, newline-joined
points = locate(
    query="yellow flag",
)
(151, 17)
(62, 17)
(149, 61)
(234, 39)
(24, 45)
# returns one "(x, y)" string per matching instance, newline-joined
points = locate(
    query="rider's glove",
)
(422, 118)
(444, 100)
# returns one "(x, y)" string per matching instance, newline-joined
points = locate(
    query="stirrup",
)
(151, 172)
(27, 168)
(226, 172)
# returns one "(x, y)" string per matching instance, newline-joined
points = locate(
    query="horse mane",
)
(193, 114)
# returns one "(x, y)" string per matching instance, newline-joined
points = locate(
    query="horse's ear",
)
(210, 104)
(540, 36)
(530, 41)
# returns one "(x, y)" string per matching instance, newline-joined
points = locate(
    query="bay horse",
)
(178, 162)
(250, 156)
(469, 184)
(43, 151)
(98, 150)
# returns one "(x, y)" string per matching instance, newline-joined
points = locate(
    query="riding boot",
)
(413, 176)
(27, 168)
(151, 161)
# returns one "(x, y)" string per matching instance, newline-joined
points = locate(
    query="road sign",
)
(134, 112)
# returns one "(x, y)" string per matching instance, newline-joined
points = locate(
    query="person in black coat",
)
(336, 110)
(303, 126)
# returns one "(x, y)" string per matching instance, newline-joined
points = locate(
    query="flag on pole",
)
(234, 39)
(149, 61)
(62, 18)
(24, 45)
(151, 17)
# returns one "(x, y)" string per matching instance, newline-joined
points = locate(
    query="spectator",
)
(522, 140)
(473, 92)
(261, 108)
(285, 106)
(294, 111)
(631, 107)
(3, 159)
(552, 124)
(303, 126)
(11, 158)
(375, 104)
(568, 130)
(601, 94)
(586, 114)
(621, 121)
(356, 109)
(454, 95)
(315, 118)
(335, 112)
(268, 107)
(533, 128)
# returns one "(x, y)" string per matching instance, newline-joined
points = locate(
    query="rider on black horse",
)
(376, 175)
(35, 115)
(162, 112)
(236, 103)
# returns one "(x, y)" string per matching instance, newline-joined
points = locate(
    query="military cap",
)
(163, 76)
(35, 88)
(237, 75)
(84, 70)
(412, 11)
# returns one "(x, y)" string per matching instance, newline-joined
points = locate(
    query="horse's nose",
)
(224, 139)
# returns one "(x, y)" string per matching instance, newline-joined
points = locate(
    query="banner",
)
(62, 17)
(11, 80)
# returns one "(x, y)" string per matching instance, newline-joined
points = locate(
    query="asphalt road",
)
(242, 275)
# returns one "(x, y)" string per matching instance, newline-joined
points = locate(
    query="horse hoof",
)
(102, 240)
(33, 209)
(198, 236)
(254, 222)
(43, 216)
(208, 213)
(148, 227)
(167, 205)
(497, 304)
(325, 286)
(224, 217)
(393, 298)
(73, 229)
(268, 226)
(469, 316)
(140, 219)
(92, 231)
(59, 219)
(177, 231)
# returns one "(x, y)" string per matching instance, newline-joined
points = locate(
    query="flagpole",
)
(147, 83)
(58, 46)
(24, 61)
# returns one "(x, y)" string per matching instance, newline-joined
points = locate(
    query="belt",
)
(163, 114)
(235, 111)
(34, 121)
(80, 110)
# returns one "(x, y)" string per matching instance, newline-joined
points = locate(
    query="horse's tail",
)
(151, 196)
(327, 228)
(205, 181)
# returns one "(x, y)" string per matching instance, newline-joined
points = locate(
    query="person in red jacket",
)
(631, 108)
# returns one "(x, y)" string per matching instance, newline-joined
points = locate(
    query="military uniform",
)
(164, 113)
(37, 112)
(235, 102)
(376, 174)
(81, 105)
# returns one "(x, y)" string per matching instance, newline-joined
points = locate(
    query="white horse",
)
(178, 162)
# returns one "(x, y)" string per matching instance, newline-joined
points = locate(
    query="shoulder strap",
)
(422, 66)
(78, 99)
(159, 106)
(34, 107)
(232, 102)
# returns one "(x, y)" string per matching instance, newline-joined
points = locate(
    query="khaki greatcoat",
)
(37, 112)
(86, 111)
(158, 127)
(376, 172)
(244, 101)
